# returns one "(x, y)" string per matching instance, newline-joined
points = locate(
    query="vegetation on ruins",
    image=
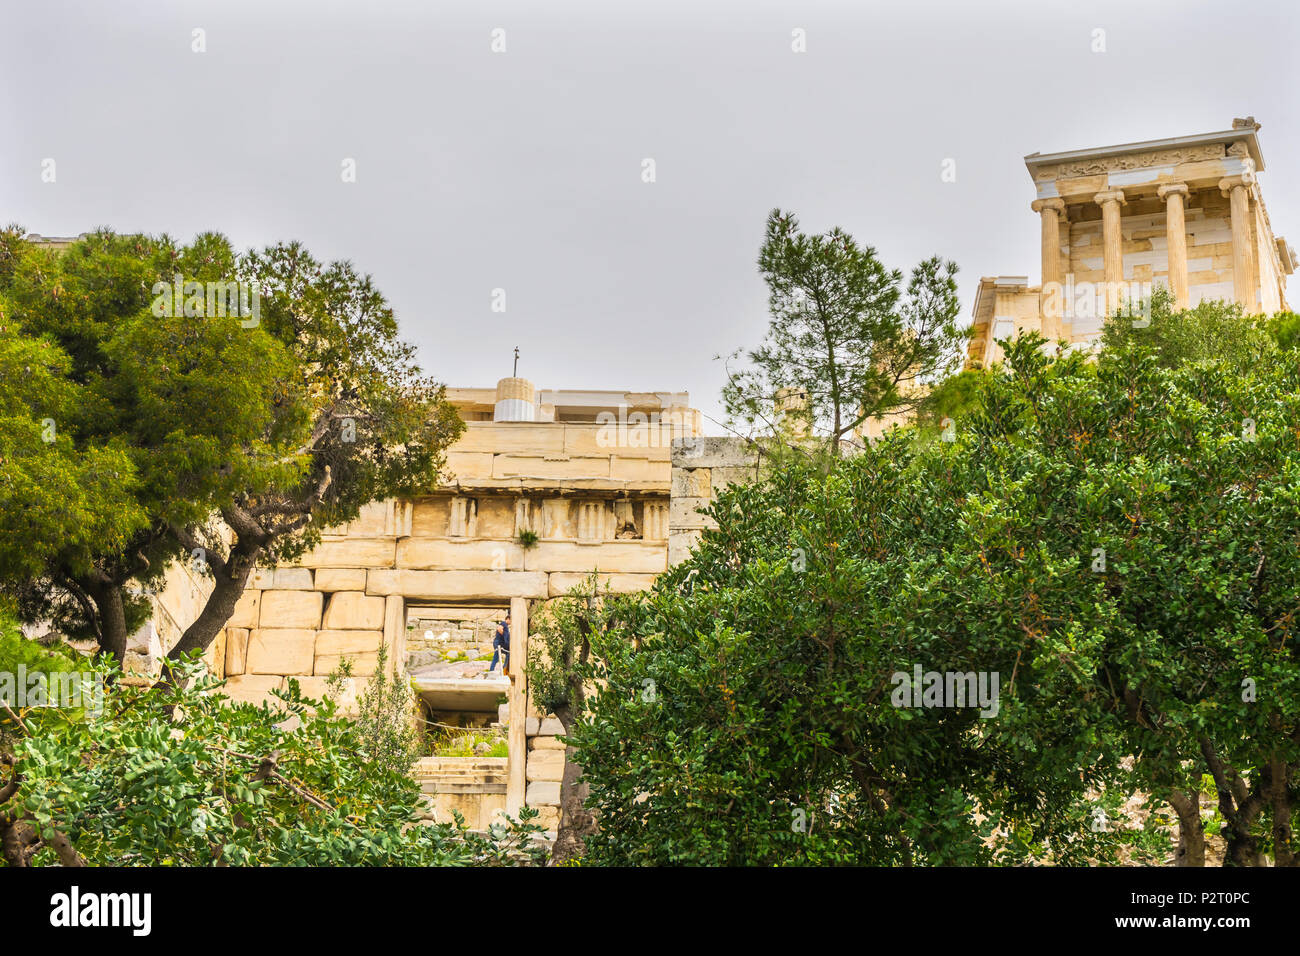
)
(844, 335)
(1212, 331)
(128, 432)
(566, 644)
(1117, 538)
(222, 784)
(386, 715)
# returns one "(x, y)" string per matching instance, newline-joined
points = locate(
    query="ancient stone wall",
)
(528, 511)
(702, 467)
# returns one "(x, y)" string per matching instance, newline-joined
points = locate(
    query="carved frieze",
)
(1110, 164)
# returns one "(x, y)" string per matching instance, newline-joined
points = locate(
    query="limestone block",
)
(550, 727)
(395, 633)
(341, 579)
(545, 743)
(680, 545)
(683, 514)
(536, 466)
(215, 656)
(263, 579)
(532, 438)
(542, 793)
(281, 651)
(692, 483)
(351, 553)
(545, 765)
(562, 582)
(291, 609)
(363, 665)
(651, 442)
(348, 642)
(293, 579)
(252, 688)
(638, 470)
(468, 464)
(701, 452)
(454, 554)
(236, 650)
(354, 611)
(741, 475)
(589, 441)
(532, 710)
(375, 520)
(185, 591)
(531, 725)
(247, 609)
(548, 818)
(496, 517)
(632, 557)
(458, 585)
(430, 518)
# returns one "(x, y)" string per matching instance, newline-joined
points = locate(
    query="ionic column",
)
(1174, 195)
(1112, 244)
(1051, 297)
(1237, 189)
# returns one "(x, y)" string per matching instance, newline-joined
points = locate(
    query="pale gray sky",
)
(522, 170)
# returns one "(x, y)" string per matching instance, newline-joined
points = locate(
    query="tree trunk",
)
(576, 821)
(107, 595)
(1243, 845)
(1243, 850)
(17, 837)
(1191, 829)
(226, 592)
(1283, 850)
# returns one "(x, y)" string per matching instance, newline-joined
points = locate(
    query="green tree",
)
(844, 334)
(1213, 330)
(1117, 538)
(771, 736)
(1285, 329)
(1155, 510)
(54, 495)
(279, 425)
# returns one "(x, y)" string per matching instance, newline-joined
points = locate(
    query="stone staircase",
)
(474, 786)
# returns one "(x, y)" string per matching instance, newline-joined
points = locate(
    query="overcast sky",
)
(522, 170)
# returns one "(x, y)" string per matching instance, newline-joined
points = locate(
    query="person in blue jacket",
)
(501, 647)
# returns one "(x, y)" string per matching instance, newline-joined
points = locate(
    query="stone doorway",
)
(463, 709)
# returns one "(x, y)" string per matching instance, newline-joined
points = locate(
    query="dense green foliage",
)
(1117, 538)
(1213, 331)
(290, 784)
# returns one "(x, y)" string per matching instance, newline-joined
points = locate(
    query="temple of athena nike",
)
(1185, 213)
